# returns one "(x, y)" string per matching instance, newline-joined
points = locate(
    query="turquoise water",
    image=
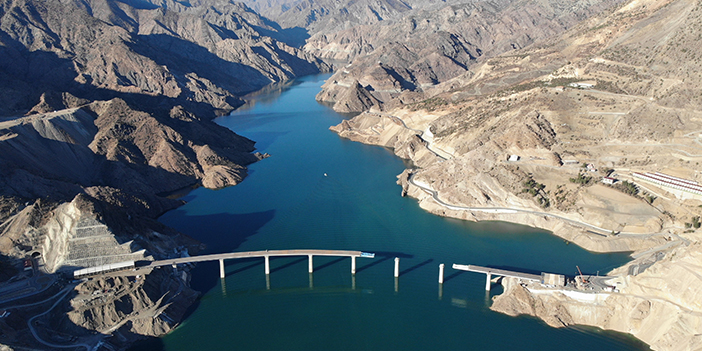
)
(288, 202)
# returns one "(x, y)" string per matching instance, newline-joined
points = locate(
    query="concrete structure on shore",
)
(544, 278)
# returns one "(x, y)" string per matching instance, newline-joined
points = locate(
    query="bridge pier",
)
(268, 265)
(221, 268)
(310, 265)
(441, 273)
(488, 281)
(353, 264)
(397, 267)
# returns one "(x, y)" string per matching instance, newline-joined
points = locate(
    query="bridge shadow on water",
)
(384, 256)
(256, 262)
(453, 276)
(330, 263)
(417, 266)
(289, 264)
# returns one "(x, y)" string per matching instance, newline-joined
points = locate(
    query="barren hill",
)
(202, 56)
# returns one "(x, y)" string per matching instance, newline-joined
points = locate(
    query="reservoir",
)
(318, 191)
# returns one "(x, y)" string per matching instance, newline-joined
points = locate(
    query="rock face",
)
(615, 92)
(396, 60)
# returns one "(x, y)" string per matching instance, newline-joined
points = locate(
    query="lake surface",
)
(319, 191)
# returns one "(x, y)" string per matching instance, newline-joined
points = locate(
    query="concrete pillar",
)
(397, 267)
(441, 291)
(353, 264)
(268, 265)
(221, 268)
(311, 281)
(488, 281)
(310, 266)
(268, 282)
(353, 282)
(397, 284)
(441, 273)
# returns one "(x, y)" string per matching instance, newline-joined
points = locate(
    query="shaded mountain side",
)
(201, 58)
(109, 144)
(399, 59)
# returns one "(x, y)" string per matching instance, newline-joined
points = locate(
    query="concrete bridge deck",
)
(495, 271)
(503, 272)
(248, 254)
(265, 254)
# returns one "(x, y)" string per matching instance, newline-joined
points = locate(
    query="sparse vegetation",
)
(607, 171)
(536, 189)
(627, 188)
(430, 104)
(695, 223)
(582, 179)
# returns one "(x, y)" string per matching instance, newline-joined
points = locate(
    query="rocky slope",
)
(397, 61)
(617, 91)
(324, 16)
(201, 57)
